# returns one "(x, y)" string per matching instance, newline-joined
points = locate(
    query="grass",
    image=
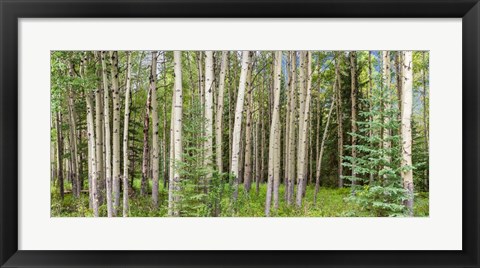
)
(330, 203)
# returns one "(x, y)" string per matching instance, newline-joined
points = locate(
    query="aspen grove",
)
(239, 133)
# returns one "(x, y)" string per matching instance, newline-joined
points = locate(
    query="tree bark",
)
(291, 135)
(273, 142)
(116, 133)
(247, 173)
(237, 126)
(177, 135)
(155, 142)
(73, 137)
(125, 135)
(209, 87)
(353, 96)
(339, 119)
(307, 59)
(146, 124)
(108, 160)
(58, 126)
(406, 113)
(386, 105)
(99, 129)
(93, 173)
(219, 114)
(370, 105)
(320, 155)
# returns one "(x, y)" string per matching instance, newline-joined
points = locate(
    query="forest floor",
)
(330, 203)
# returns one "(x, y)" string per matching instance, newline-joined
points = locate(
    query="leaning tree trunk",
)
(339, 119)
(73, 138)
(155, 142)
(273, 142)
(108, 156)
(115, 132)
(307, 59)
(406, 113)
(209, 87)
(218, 117)
(237, 126)
(125, 136)
(320, 155)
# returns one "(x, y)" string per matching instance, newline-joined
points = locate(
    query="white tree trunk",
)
(116, 132)
(99, 128)
(320, 155)
(92, 149)
(209, 88)
(106, 113)
(303, 127)
(219, 114)
(177, 133)
(247, 170)
(275, 127)
(291, 130)
(406, 114)
(155, 143)
(125, 135)
(237, 126)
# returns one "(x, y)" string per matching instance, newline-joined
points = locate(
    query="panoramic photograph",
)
(239, 133)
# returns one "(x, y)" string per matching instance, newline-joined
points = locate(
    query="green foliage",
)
(330, 203)
(378, 186)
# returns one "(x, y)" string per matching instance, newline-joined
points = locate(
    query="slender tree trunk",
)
(177, 134)
(247, 173)
(209, 88)
(386, 105)
(92, 148)
(425, 116)
(125, 135)
(99, 129)
(58, 126)
(307, 59)
(370, 105)
(146, 124)
(320, 155)
(73, 138)
(108, 160)
(219, 114)
(165, 138)
(291, 135)
(353, 96)
(155, 142)
(237, 127)
(339, 119)
(116, 132)
(407, 96)
(273, 142)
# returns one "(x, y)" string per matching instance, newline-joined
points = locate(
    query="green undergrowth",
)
(330, 203)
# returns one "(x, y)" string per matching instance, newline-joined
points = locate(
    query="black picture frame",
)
(11, 11)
